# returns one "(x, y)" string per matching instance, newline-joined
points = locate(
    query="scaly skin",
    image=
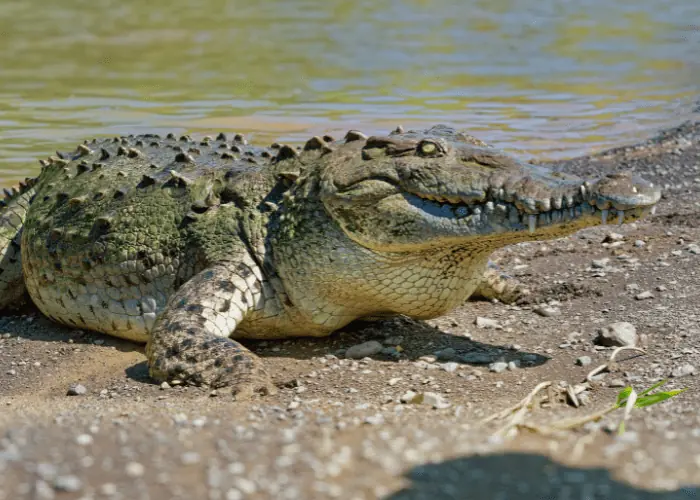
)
(188, 246)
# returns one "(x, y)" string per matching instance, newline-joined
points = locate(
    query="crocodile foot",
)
(215, 362)
(497, 285)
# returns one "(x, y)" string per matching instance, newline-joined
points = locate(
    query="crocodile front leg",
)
(190, 340)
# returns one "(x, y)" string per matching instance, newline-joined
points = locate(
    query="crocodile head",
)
(405, 223)
(438, 188)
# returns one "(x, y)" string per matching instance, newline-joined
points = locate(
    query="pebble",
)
(683, 370)
(617, 382)
(617, 334)
(450, 367)
(435, 400)
(487, 323)
(134, 469)
(190, 458)
(639, 243)
(408, 397)
(364, 350)
(84, 439)
(583, 361)
(377, 419)
(644, 295)
(498, 367)
(164, 386)
(108, 489)
(76, 390)
(447, 354)
(694, 249)
(43, 491)
(600, 263)
(547, 311)
(610, 237)
(68, 483)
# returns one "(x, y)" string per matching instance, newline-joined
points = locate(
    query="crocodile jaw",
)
(544, 209)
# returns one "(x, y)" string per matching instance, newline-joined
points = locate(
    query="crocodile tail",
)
(13, 210)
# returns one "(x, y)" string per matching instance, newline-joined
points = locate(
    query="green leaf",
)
(623, 395)
(655, 386)
(656, 398)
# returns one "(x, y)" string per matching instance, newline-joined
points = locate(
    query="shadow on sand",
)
(522, 476)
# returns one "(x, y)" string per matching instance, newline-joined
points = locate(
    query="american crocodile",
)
(187, 245)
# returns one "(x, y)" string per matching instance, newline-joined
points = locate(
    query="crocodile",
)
(191, 245)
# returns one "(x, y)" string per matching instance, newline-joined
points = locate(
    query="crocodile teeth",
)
(604, 215)
(620, 217)
(532, 223)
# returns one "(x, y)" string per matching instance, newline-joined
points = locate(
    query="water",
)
(540, 78)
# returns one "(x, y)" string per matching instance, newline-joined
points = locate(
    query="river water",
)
(544, 78)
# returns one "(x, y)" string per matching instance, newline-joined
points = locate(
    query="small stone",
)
(11, 372)
(450, 367)
(498, 367)
(408, 397)
(514, 365)
(487, 323)
(190, 458)
(583, 360)
(164, 386)
(447, 354)
(632, 287)
(617, 382)
(683, 370)
(610, 237)
(600, 263)
(364, 350)
(108, 489)
(76, 390)
(694, 249)
(617, 334)
(644, 295)
(547, 311)
(68, 483)
(639, 243)
(134, 469)
(377, 419)
(42, 490)
(84, 439)
(394, 381)
(435, 400)
(234, 494)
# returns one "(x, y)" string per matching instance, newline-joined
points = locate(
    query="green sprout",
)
(627, 398)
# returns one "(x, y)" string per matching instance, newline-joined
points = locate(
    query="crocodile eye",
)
(429, 147)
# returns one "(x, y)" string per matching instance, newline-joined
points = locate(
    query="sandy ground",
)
(338, 427)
